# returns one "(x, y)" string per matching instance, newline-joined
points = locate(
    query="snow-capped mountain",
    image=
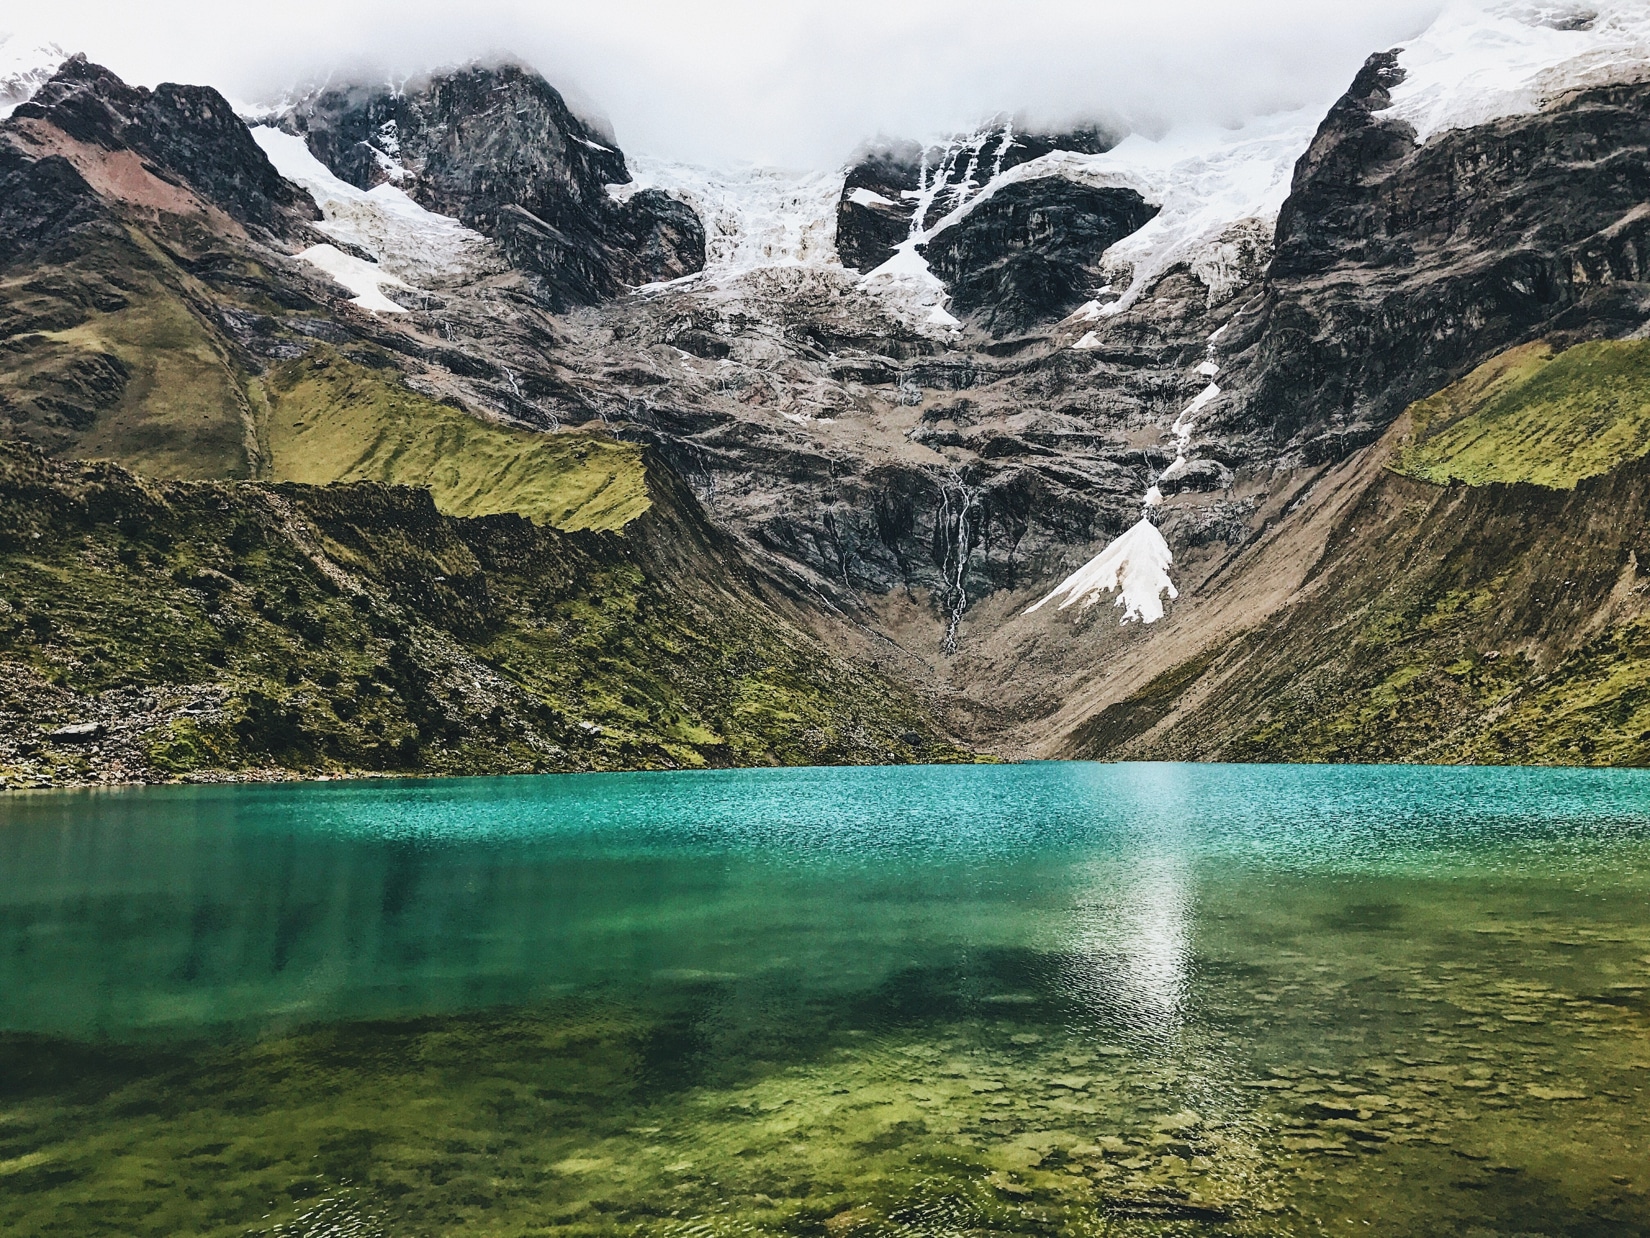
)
(25, 66)
(953, 380)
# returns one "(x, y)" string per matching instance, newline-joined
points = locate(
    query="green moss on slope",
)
(117, 353)
(106, 356)
(215, 628)
(333, 419)
(1535, 414)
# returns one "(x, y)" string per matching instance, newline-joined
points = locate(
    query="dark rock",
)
(41, 201)
(874, 215)
(1031, 252)
(189, 134)
(882, 185)
(498, 148)
(1196, 475)
(1400, 267)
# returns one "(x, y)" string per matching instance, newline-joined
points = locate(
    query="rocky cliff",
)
(498, 148)
(1399, 265)
(1019, 348)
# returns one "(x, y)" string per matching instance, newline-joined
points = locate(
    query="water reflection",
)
(1055, 999)
(176, 907)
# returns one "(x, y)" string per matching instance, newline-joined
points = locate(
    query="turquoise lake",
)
(1021, 999)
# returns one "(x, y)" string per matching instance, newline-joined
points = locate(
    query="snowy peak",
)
(496, 148)
(25, 66)
(1482, 60)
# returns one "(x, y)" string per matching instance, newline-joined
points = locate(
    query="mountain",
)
(533, 602)
(1315, 438)
(497, 148)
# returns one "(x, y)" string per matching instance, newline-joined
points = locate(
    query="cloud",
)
(791, 82)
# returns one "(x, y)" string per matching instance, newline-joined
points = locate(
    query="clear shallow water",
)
(1022, 999)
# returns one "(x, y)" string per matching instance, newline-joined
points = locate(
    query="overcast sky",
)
(793, 82)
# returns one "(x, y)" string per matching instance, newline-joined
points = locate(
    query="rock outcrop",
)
(499, 149)
(1399, 266)
(1030, 253)
(189, 135)
(888, 183)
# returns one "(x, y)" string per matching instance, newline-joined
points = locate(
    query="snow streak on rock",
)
(1137, 564)
(363, 278)
(414, 247)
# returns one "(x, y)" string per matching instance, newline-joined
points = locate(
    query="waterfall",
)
(957, 500)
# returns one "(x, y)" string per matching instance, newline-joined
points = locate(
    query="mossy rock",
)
(332, 418)
(1535, 414)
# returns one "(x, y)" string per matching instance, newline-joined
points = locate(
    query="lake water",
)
(1036, 999)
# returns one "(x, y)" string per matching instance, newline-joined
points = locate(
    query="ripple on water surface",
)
(1031, 999)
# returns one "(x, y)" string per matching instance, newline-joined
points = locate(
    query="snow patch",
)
(906, 275)
(1135, 566)
(414, 247)
(1485, 59)
(362, 278)
(869, 197)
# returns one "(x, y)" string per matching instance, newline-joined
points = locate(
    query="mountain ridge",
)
(910, 437)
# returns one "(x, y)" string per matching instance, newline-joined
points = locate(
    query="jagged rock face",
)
(877, 203)
(41, 201)
(499, 149)
(874, 462)
(887, 183)
(191, 132)
(1398, 267)
(1031, 252)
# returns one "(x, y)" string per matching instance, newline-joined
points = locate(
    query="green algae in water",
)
(1025, 999)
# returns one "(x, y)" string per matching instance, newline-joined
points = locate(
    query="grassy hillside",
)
(210, 628)
(1535, 414)
(1503, 623)
(332, 418)
(1504, 620)
(106, 355)
(119, 352)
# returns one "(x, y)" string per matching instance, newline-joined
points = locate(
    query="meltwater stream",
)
(1035, 999)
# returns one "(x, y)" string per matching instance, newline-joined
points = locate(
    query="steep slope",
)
(1536, 413)
(921, 392)
(210, 630)
(497, 148)
(157, 314)
(1501, 620)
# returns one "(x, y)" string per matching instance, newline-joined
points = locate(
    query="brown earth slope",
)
(1395, 618)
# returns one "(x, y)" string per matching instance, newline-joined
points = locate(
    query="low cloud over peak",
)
(799, 83)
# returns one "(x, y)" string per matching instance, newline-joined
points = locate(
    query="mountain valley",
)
(424, 431)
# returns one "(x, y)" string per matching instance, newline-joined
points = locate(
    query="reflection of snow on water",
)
(1156, 940)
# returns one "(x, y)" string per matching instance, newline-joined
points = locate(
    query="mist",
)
(797, 84)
